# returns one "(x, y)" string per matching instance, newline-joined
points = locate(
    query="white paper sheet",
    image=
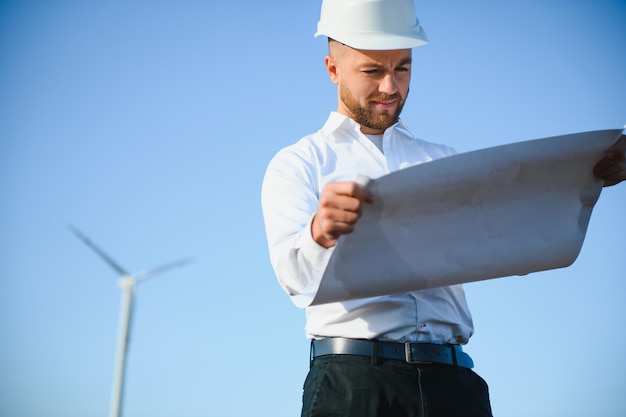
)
(496, 212)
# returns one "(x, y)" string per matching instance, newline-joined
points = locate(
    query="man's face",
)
(373, 85)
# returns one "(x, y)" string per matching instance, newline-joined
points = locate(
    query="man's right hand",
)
(338, 211)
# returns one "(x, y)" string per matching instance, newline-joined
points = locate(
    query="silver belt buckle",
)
(408, 356)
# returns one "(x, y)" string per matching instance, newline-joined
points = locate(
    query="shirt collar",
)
(337, 121)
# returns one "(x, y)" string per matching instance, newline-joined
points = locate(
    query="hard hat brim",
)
(376, 41)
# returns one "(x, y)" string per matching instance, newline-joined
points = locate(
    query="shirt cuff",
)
(313, 251)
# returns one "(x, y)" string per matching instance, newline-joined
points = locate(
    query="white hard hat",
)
(371, 24)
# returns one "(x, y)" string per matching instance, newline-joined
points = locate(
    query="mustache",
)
(383, 97)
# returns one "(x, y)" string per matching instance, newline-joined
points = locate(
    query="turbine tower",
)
(127, 283)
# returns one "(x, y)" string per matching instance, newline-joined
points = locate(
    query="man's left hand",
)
(612, 168)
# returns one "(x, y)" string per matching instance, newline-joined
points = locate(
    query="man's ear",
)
(331, 68)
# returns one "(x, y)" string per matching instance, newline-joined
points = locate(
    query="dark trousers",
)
(355, 386)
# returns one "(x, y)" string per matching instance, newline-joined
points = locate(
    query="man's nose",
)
(388, 85)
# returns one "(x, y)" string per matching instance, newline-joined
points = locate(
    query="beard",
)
(365, 116)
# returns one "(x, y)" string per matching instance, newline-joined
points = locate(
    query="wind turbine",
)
(127, 283)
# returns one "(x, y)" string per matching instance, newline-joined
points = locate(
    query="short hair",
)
(332, 42)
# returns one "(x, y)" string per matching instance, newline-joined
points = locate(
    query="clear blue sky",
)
(149, 126)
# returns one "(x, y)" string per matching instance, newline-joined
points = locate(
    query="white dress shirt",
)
(293, 183)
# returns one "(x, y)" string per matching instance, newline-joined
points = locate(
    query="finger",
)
(341, 203)
(614, 180)
(351, 189)
(607, 167)
(618, 149)
(337, 229)
(611, 173)
(334, 223)
(331, 216)
(363, 193)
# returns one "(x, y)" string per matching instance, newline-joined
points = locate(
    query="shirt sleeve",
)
(289, 200)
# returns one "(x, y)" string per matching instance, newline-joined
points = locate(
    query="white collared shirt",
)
(293, 183)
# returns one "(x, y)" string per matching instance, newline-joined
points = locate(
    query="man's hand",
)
(612, 168)
(338, 211)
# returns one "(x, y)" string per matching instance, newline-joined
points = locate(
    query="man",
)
(394, 355)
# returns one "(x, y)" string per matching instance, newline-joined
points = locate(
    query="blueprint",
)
(503, 211)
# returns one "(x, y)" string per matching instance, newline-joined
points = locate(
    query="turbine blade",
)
(106, 258)
(159, 269)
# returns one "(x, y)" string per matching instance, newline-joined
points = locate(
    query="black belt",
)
(410, 352)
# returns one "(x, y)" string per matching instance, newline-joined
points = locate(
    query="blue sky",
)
(149, 126)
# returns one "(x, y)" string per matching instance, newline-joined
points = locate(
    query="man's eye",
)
(371, 71)
(403, 69)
